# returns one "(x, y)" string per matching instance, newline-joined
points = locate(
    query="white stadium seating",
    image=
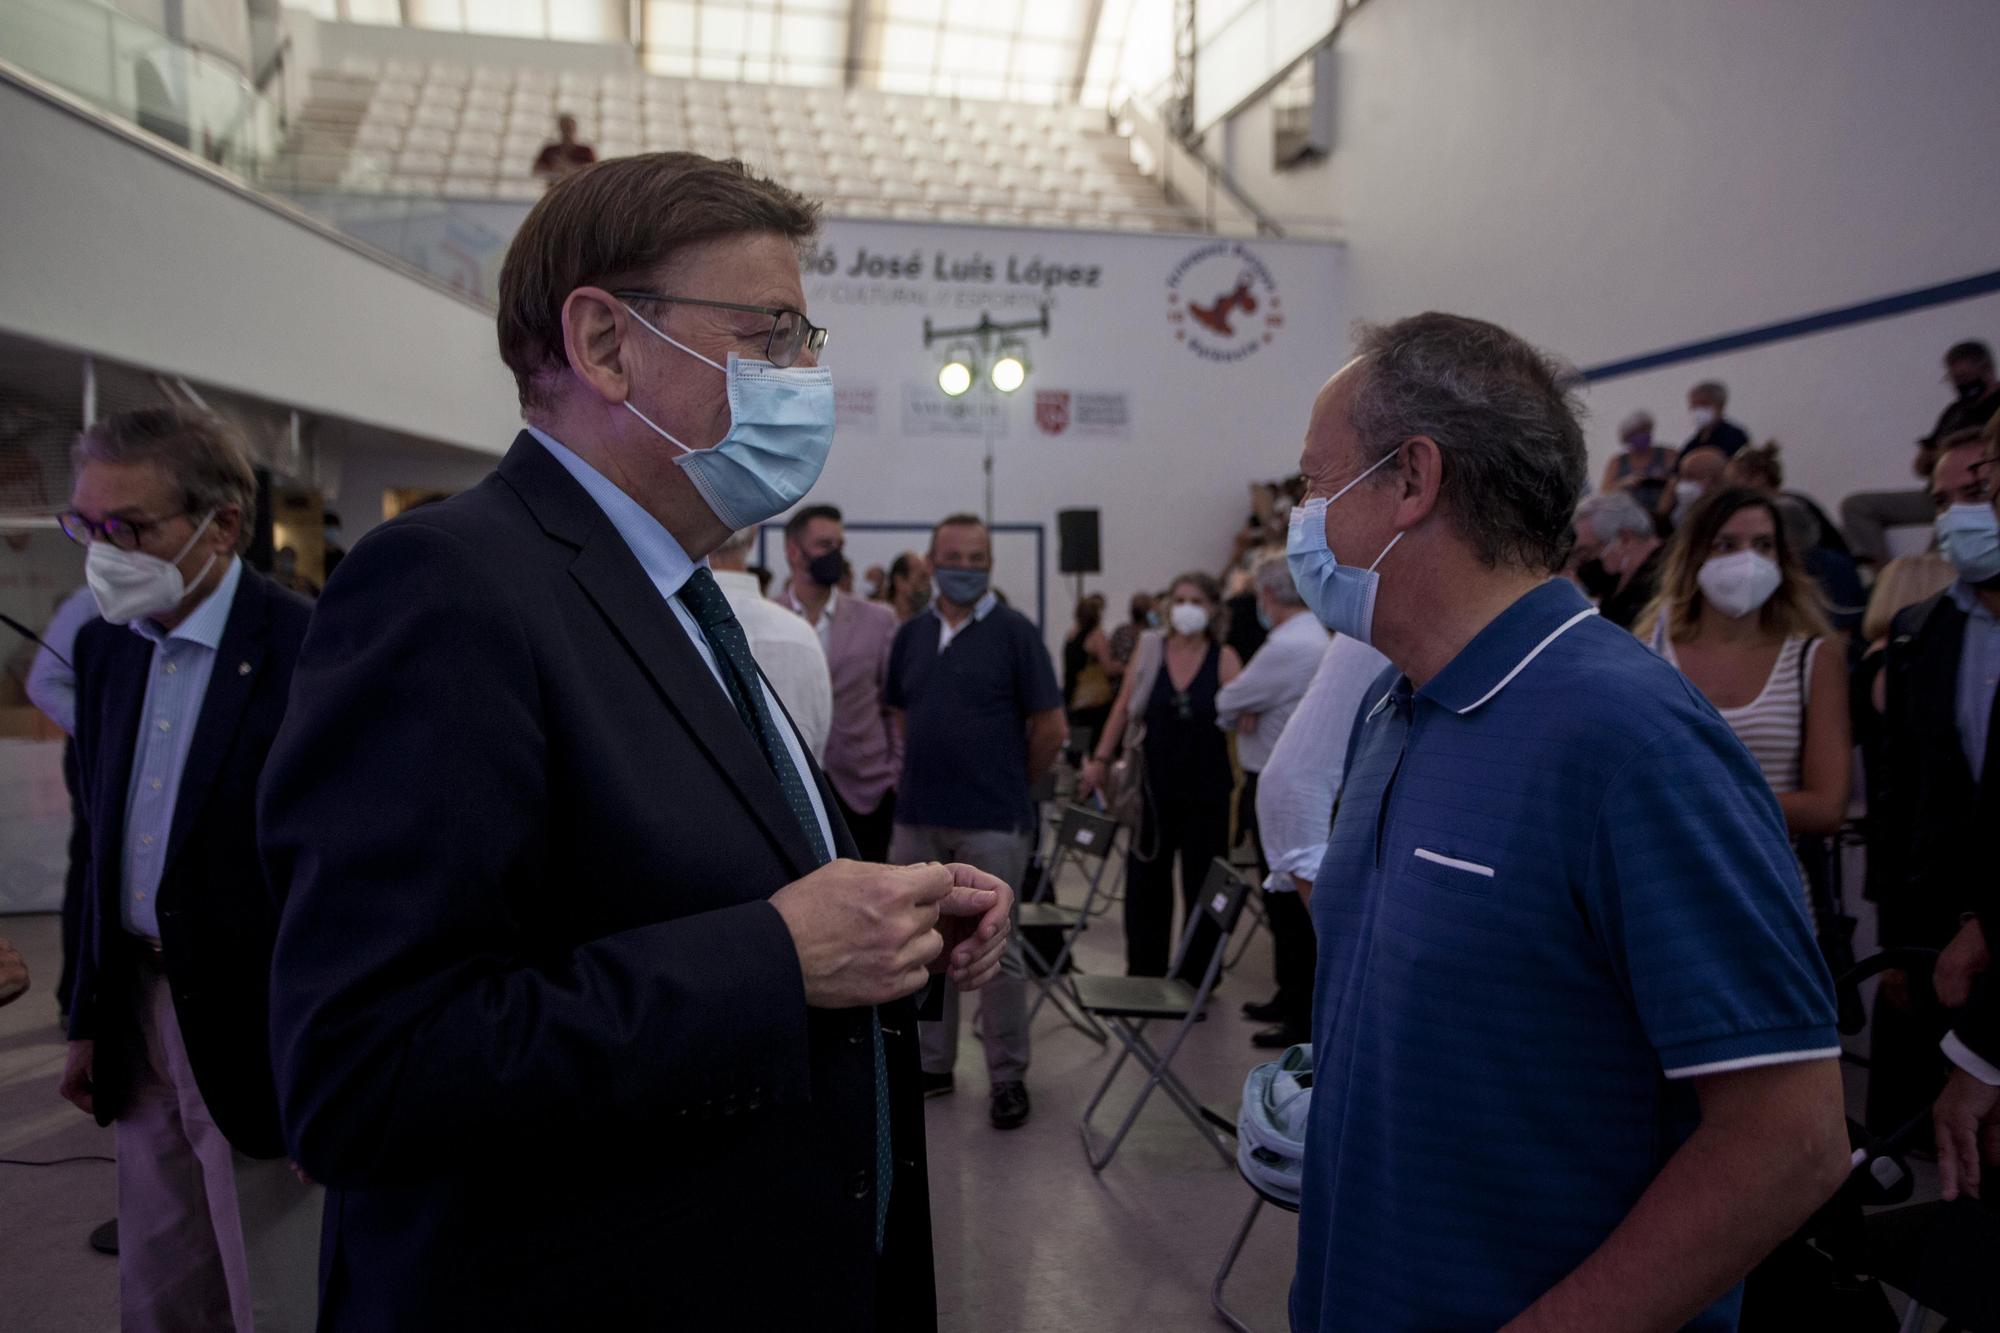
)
(405, 126)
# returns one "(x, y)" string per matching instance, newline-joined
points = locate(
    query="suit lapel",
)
(121, 685)
(238, 658)
(617, 585)
(1940, 693)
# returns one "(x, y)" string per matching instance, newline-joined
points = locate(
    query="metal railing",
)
(139, 74)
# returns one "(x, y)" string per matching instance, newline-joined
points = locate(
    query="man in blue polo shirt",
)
(971, 686)
(1575, 1048)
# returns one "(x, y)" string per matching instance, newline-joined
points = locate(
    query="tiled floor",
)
(1027, 1238)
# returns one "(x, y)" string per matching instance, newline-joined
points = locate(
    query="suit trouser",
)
(1003, 1001)
(207, 1238)
(1864, 519)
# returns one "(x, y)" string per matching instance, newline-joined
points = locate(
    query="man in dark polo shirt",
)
(1575, 1057)
(971, 686)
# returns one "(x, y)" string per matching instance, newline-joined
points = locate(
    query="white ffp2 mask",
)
(130, 585)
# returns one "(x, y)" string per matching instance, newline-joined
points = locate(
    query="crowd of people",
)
(552, 922)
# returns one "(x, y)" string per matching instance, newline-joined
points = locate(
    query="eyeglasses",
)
(125, 534)
(790, 330)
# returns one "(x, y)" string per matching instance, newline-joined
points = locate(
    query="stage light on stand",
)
(969, 350)
(1010, 368)
(955, 376)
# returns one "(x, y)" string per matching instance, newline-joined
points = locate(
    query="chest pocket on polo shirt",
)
(1447, 870)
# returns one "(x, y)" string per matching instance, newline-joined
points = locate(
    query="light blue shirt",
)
(1978, 675)
(668, 566)
(176, 685)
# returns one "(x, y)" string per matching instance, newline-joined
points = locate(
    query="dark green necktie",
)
(704, 598)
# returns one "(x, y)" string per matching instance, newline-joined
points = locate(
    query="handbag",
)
(1125, 780)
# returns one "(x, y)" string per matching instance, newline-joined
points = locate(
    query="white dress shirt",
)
(52, 683)
(1969, 1060)
(822, 626)
(668, 567)
(948, 631)
(790, 653)
(1296, 793)
(1270, 685)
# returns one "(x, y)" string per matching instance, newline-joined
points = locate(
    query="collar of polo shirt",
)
(1506, 647)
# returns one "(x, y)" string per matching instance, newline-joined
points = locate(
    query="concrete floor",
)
(1027, 1238)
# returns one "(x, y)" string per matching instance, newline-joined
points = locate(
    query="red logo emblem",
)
(1052, 410)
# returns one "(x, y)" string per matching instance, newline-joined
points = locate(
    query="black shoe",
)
(1263, 1011)
(105, 1238)
(1279, 1037)
(937, 1085)
(1010, 1106)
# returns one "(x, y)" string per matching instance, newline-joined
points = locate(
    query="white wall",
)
(1171, 486)
(119, 249)
(1612, 177)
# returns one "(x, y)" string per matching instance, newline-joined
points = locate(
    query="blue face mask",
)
(1342, 596)
(780, 430)
(961, 587)
(1969, 536)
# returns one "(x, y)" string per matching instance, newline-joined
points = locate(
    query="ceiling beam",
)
(859, 12)
(1093, 14)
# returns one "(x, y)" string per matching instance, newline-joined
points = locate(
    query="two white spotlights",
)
(1008, 372)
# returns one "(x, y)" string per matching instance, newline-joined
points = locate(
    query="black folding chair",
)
(1128, 1004)
(1260, 1196)
(1086, 839)
(1243, 858)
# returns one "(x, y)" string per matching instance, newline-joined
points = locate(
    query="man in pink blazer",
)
(862, 755)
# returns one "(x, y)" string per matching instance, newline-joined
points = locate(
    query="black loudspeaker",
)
(1076, 541)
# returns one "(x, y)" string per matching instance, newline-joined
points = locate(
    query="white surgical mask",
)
(1704, 417)
(1740, 583)
(1188, 618)
(131, 585)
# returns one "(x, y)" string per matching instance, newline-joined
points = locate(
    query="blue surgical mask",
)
(1969, 536)
(963, 587)
(780, 430)
(1342, 596)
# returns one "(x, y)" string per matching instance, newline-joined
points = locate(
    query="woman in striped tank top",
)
(1740, 617)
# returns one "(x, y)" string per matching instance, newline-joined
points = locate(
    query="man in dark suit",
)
(180, 689)
(573, 1009)
(1938, 747)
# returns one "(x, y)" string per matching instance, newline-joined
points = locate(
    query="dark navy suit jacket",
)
(215, 912)
(536, 1024)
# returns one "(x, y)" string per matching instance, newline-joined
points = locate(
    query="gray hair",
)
(1612, 514)
(205, 457)
(738, 543)
(1634, 421)
(1503, 418)
(1273, 576)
